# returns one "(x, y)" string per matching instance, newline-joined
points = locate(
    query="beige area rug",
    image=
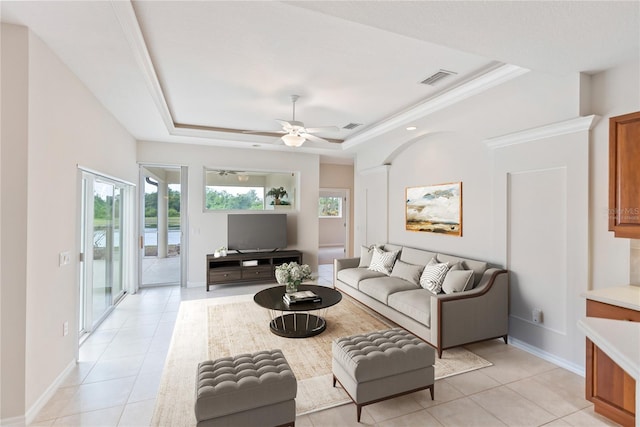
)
(212, 328)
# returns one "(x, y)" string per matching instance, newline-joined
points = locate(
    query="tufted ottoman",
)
(246, 390)
(381, 365)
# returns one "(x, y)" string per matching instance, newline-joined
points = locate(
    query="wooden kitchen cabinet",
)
(624, 175)
(609, 387)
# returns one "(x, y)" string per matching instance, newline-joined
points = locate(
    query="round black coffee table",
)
(296, 320)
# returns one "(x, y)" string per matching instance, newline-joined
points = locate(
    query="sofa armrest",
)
(342, 264)
(478, 314)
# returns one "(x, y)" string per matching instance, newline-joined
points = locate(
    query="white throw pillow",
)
(457, 281)
(433, 275)
(366, 252)
(382, 261)
(409, 272)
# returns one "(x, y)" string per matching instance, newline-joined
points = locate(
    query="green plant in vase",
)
(277, 194)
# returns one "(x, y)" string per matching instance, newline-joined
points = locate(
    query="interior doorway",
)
(333, 220)
(162, 225)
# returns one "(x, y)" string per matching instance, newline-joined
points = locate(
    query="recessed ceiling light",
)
(411, 128)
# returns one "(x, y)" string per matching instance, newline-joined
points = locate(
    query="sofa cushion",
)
(457, 281)
(409, 272)
(415, 303)
(353, 276)
(433, 275)
(478, 267)
(382, 261)
(381, 287)
(416, 256)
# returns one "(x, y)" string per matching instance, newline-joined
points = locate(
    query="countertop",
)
(620, 340)
(623, 296)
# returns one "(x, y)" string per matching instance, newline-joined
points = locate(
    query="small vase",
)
(291, 287)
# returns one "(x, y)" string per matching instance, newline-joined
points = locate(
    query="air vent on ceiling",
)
(441, 74)
(351, 126)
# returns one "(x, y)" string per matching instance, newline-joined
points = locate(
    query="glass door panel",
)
(102, 243)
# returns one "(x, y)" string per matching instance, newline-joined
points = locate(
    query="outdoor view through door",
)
(162, 233)
(105, 203)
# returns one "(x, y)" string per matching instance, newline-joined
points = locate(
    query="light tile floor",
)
(118, 375)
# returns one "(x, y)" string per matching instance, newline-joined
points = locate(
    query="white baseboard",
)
(196, 284)
(13, 422)
(48, 394)
(563, 363)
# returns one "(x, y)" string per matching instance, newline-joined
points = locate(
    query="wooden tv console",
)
(247, 267)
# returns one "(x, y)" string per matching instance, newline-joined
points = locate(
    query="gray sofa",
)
(477, 313)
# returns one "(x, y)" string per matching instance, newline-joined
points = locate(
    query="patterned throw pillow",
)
(433, 275)
(382, 261)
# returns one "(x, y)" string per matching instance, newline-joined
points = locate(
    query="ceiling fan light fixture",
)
(293, 140)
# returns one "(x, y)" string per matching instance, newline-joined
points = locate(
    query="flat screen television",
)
(256, 232)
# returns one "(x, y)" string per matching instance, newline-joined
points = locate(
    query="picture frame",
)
(434, 209)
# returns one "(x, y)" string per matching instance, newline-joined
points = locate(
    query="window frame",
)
(340, 207)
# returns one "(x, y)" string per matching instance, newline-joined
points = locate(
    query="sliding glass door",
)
(103, 248)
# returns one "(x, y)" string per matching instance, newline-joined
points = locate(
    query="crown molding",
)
(577, 124)
(131, 28)
(470, 88)
(375, 169)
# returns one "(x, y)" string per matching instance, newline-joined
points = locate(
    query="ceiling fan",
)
(295, 133)
(242, 176)
(226, 172)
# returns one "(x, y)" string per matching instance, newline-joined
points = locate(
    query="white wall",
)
(13, 264)
(417, 166)
(451, 149)
(208, 230)
(371, 207)
(67, 126)
(614, 92)
(528, 101)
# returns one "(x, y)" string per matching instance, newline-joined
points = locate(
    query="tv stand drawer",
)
(222, 276)
(259, 272)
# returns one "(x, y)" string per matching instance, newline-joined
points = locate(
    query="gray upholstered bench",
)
(246, 390)
(381, 365)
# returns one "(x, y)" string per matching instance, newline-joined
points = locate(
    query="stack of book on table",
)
(301, 296)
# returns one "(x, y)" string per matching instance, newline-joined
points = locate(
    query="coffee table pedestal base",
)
(297, 325)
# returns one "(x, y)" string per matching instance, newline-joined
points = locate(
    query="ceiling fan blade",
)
(263, 131)
(285, 124)
(323, 129)
(313, 138)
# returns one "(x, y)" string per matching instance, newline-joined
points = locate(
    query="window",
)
(220, 197)
(248, 190)
(330, 207)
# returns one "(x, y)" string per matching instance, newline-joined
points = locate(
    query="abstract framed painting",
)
(435, 209)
